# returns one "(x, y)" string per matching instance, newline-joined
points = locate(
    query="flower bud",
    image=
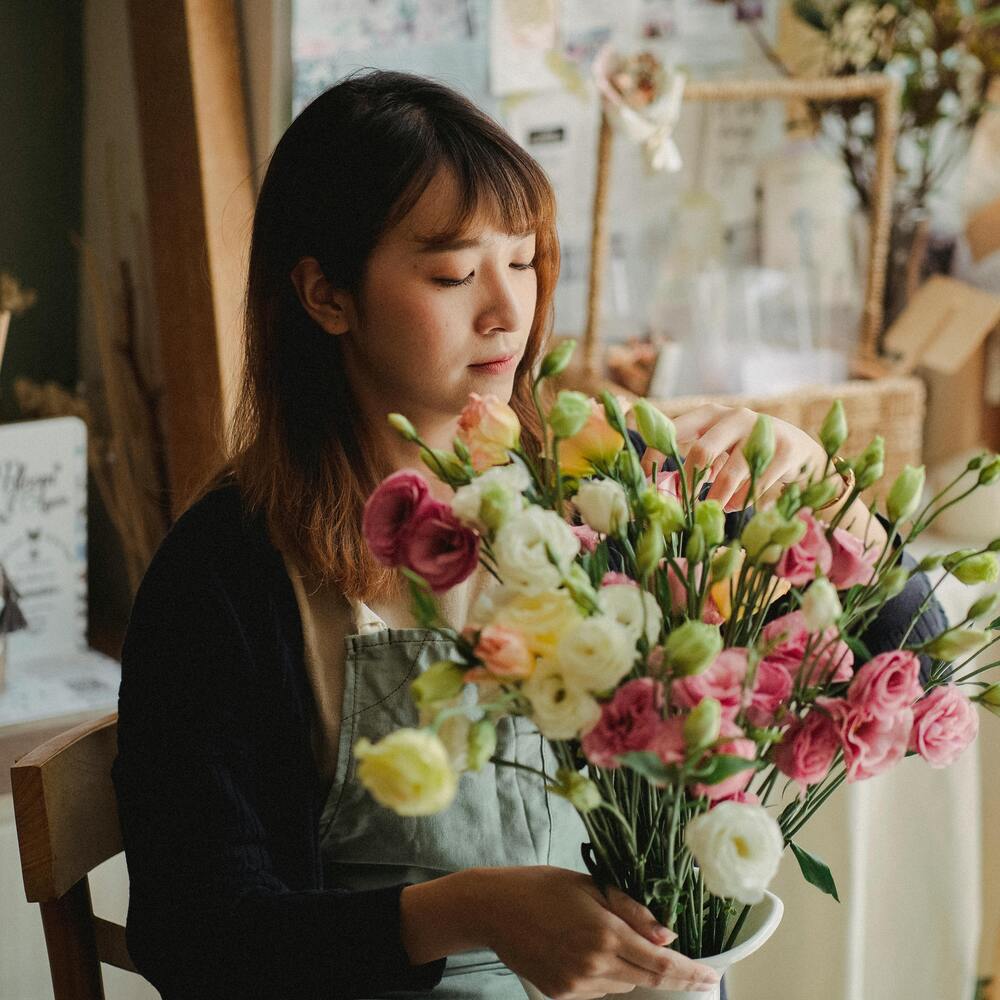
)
(789, 534)
(833, 433)
(990, 472)
(579, 789)
(656, 428)
(496, 504)
(985, 607)
(441, 681)
(613, 411)
(445, 465)
(555, 362)
(930, 562)
(460, 449)
(870, 467)
(630, 470)
(482, 744)
(579, 586)
(756, 535)
(711, 518)
(569, 413)
(990, 699)
(696, 549)
(906, 493)
(725, 562)
(977, 462)
(979, 568)
(893, 582)
(400, 424)
(701, 727)
(957, 642)
(994, 546)
(790, 500)
(650, 549)
(759, 449)
(603, 505)
(666, 511)
(691, 647)
(819, 494)
(821, 605)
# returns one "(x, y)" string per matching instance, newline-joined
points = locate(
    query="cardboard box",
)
(948, 335)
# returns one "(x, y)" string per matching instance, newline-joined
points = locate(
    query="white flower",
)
(596, 654)
(738, 848)
(602, 504)
(541, 618)
(522, 548)
(624, 604)
(561, 709)
(821, 606)
(511, 479)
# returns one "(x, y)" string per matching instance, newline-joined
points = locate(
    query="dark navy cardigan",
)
(218, 791)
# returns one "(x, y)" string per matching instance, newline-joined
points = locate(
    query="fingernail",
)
(666, 935)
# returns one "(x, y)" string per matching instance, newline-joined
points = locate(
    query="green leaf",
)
(815, 870)
(649, 765)
(861, 652)
(424, 606)
(725, 766)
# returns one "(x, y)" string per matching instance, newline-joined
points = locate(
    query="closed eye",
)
(455, 282)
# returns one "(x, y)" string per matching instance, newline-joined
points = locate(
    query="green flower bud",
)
(403, 426)
(870, 467)
(441, 681)
(759, 449)
(458, 445)
(613, 411)
(906, 493)
(790, 500)
(630, 470)
(445, 465)
(711, 518)
(664, 510)
(496, 504)
(656, 428)
(757, 532)
(580, 588)
(930, 562)
(986, 606)
(577, 788)
(957, 643)
(569, 413)
(957, 556)
(555, 362)
(821, 605)
(994, 546)
(789, 534)
(980, 568)
(893, 582)
(691, 647)
(990, 699)
(481, 744)
(833, 433)
(977, 462)
(701, 727)
(650, 549)
(725, 562)
(990, 472)
(695, 550)
(819, 494)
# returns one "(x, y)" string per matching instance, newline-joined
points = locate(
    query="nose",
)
(504, 308)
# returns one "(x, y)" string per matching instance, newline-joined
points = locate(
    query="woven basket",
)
(892, 406)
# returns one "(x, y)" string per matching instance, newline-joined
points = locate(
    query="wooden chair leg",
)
(72, 948)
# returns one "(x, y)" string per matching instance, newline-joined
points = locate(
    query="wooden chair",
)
(67, 824)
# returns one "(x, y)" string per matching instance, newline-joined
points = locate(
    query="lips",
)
(501, 360)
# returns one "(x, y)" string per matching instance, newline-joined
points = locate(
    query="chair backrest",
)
(67, 824)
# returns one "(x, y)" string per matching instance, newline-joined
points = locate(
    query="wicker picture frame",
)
(883, 90)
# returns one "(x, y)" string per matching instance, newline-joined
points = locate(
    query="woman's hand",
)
(554, 927)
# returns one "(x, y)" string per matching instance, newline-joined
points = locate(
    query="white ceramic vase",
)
(760, 924)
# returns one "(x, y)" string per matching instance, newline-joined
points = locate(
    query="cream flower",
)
(624, 604)
(408, 771)
(509, 479)
(602, 504)
(561, 709)
(738, 848)
(522, 548)
(542, 618)
(596, 654)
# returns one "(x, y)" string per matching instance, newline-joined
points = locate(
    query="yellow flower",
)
(541, 618)
(719, 592)
(597, 441)
(489, 428)
(408, 771)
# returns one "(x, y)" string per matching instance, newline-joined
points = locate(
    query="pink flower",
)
(944, 724)
(723, 681)
(851, 564)
(887, 682)
(489, 428)
(744, 798)
(808, 747)
(772, 687)
(872, 743)
(679, 592)
(628, 722)
(439, 547)
(388, 511)
(830, 658)
(799, 562)
(668, 483)
(668, 741)
(611, 579)
(504, 651)
(736, 746)
(586, 536)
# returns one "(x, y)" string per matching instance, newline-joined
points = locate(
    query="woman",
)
(403, 254)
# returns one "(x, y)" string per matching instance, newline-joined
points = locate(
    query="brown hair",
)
(349, 167)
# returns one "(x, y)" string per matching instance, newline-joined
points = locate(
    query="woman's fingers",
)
(672, 971)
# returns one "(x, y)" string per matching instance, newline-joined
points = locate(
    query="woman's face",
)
(441, 321)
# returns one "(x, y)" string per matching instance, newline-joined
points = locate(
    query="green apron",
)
(500, 816)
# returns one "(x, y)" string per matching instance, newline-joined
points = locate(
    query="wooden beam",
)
(192, 121)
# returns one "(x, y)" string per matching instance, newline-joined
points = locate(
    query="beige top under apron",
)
(327, 617)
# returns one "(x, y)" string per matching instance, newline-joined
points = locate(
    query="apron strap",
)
(363, 619)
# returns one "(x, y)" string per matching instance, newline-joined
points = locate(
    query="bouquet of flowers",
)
(639, 635)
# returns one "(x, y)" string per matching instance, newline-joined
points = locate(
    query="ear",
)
(330, 307)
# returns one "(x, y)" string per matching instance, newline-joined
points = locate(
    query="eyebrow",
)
(447, 243)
